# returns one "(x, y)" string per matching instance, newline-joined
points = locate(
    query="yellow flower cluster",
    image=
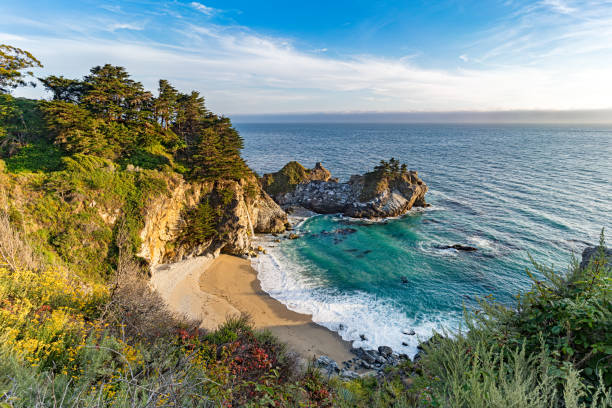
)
(43, 314)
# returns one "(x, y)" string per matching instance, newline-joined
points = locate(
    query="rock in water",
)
(385, 351)
(591, 253)
(459, 247)
(286, 179)
(388, 191)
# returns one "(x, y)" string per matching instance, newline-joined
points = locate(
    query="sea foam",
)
(354, 316)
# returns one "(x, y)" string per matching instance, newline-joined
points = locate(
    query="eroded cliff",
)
(240, 209)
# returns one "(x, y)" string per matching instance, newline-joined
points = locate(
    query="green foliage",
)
(391, 168)
(13, 61)
(573, 314)
(231, 330)
(21, 123)
(82, 163)
(77, 131)
(40, 156)
(378, 180)
(109, 115)
(286, 179)
(217, 153)
(95, 366)
(200, 223)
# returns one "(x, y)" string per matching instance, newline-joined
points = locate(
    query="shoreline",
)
(210, 290)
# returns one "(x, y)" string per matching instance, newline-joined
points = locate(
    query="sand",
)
(210, 290)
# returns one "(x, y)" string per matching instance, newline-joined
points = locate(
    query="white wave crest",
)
(354, 316)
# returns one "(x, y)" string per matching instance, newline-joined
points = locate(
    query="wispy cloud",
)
(126, 26)
(514, 66)
(534, 35)
(209, 11)
(559, 6)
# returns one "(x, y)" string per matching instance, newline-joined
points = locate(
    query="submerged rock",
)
(459, 247)
(388, 191)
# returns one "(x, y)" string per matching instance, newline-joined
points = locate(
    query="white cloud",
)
(559, 6)
(125, 26)
(245, 73)
(240, 71)
(204, 9)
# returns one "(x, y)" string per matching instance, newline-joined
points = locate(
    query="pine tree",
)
(112, 95)
(166, 104)
(13, 61)
(64, 89)
(190, 115)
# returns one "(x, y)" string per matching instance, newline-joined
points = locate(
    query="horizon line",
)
(544, 117)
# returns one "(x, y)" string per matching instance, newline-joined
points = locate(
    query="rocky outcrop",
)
(378, 194)
(242, 208)
(590, 253)
(289, 177)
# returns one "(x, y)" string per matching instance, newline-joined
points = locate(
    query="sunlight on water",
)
(509, 191)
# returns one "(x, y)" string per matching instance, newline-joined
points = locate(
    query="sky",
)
(269, 57)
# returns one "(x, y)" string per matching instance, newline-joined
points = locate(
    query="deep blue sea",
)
(510, 191)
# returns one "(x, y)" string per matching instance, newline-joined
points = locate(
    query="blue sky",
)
(250, 57)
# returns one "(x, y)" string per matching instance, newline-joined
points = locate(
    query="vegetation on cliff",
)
(386, 174)
(80, 327)
(293, 173)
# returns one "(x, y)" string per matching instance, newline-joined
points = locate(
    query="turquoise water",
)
(510, 191)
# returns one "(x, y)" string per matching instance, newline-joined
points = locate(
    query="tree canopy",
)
(108, 114)
(13, 61)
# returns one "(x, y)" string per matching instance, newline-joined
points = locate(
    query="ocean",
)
(510, 191)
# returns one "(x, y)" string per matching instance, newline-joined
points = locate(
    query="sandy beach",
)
(210, 290)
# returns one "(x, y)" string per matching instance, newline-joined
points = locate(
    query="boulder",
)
(590, 253)
(385, 351)
(327, 365)
(348, 375)
(459, 247)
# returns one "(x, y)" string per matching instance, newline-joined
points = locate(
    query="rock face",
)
(591, 253)
(244, 209)
(377, 194)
